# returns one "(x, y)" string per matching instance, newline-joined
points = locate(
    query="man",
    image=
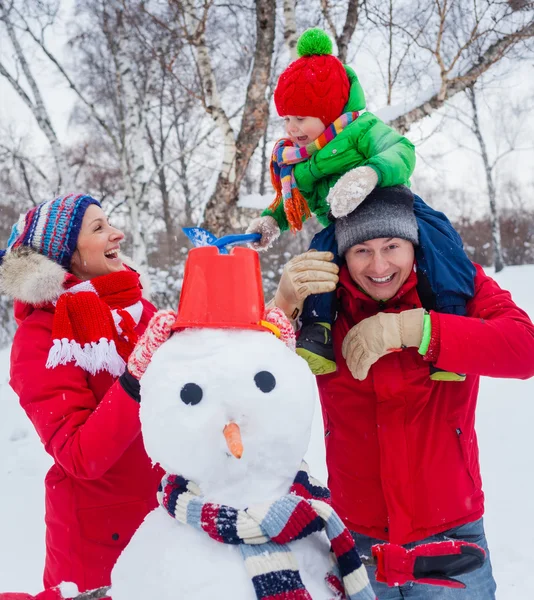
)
(401, 449)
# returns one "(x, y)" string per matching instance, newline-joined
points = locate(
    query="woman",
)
(401, 449)
(80, 311)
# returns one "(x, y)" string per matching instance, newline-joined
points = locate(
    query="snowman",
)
(226, 409)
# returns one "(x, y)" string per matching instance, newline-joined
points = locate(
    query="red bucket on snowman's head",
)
(221, 291)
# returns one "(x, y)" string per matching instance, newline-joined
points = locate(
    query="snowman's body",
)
(197, 382)
(185, 563)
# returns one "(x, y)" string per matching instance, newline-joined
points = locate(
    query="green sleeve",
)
(388, 152)
(278, 215)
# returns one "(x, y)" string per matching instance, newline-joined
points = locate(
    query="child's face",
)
(303, 130)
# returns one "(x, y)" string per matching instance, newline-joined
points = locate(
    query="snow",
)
(504, 424)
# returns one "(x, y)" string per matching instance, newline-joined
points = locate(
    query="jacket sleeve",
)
(388, 152)
(84, 436)
(367, 141)
(278, 215)
(496, 339)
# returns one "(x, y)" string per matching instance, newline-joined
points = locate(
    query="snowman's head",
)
(202, 380)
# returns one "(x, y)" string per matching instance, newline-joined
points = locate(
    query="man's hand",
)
(309, 273)
(376, 336)
(351, 189)
(269, 230)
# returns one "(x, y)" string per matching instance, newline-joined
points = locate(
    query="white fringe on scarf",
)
(93, 357)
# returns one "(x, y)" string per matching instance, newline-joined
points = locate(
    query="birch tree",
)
(10, 17)
(238, 146)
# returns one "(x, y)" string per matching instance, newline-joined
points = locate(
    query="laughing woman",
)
(80, 311)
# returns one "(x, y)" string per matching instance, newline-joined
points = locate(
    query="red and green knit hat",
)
(316, 84)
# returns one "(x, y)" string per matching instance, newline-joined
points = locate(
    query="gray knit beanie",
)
(385, 213)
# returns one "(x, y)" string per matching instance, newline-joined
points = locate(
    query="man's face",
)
(380, 266)
(303, 130)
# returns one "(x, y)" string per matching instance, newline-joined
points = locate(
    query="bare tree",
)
(329, 9)
(221, 210)
(463, 39)
(11, 18)
(290, 28)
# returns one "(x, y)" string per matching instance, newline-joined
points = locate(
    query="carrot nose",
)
(233, 439)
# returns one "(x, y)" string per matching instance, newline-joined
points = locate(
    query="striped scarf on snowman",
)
(263, 533)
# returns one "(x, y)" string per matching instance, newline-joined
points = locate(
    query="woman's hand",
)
(379, 335)
(309, 273)
(157, 332)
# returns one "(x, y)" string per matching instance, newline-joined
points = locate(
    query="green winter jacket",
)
(368, 141)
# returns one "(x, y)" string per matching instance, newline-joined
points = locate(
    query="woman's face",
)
(97, 252)
(380, 266)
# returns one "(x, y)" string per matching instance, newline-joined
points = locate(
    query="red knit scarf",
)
(94, 322)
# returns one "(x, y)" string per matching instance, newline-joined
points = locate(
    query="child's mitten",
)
(269, 230)
(434, 564)
(351, 190)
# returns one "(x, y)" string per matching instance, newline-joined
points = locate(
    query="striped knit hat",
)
(385, 213)
(51, 228)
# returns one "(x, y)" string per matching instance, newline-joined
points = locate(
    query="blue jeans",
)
(480, 583)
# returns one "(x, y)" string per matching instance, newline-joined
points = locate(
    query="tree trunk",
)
(133, 113)
(494, 213)
(37, 106)
(221, 214)
(290, 28)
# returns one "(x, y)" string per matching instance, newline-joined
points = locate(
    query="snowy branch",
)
(460, 83)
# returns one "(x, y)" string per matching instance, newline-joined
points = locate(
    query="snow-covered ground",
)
(504, 422)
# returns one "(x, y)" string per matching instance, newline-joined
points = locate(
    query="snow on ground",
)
(504, 424)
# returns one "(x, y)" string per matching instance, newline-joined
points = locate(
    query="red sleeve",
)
(496, 339)
(84, 436)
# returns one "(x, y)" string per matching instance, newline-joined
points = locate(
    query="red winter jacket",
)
(102, 483)
(401, 449)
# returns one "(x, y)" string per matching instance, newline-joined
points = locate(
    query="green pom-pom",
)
(314, 42)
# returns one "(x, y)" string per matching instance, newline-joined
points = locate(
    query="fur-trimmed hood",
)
(32, 278)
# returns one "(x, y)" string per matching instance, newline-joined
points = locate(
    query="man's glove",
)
(157, 332)
(269, 230)
(378, 335)
(350, 190)
(309, 273)
(434, 564)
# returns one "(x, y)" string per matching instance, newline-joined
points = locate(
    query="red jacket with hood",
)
(401, 449)
(102, 483)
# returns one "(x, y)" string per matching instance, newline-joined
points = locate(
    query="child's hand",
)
(351, 190)
(269, 230)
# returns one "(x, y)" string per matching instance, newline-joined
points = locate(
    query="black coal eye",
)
(191, 393)
(265, 381)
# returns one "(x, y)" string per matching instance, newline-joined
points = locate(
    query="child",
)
(329, 140)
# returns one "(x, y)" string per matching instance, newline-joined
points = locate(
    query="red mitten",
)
(434, 564)
(157, 332)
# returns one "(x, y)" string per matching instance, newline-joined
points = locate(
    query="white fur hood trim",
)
(30, 277)
(33, 278)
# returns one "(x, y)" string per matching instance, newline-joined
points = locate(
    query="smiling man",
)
(401, 449)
